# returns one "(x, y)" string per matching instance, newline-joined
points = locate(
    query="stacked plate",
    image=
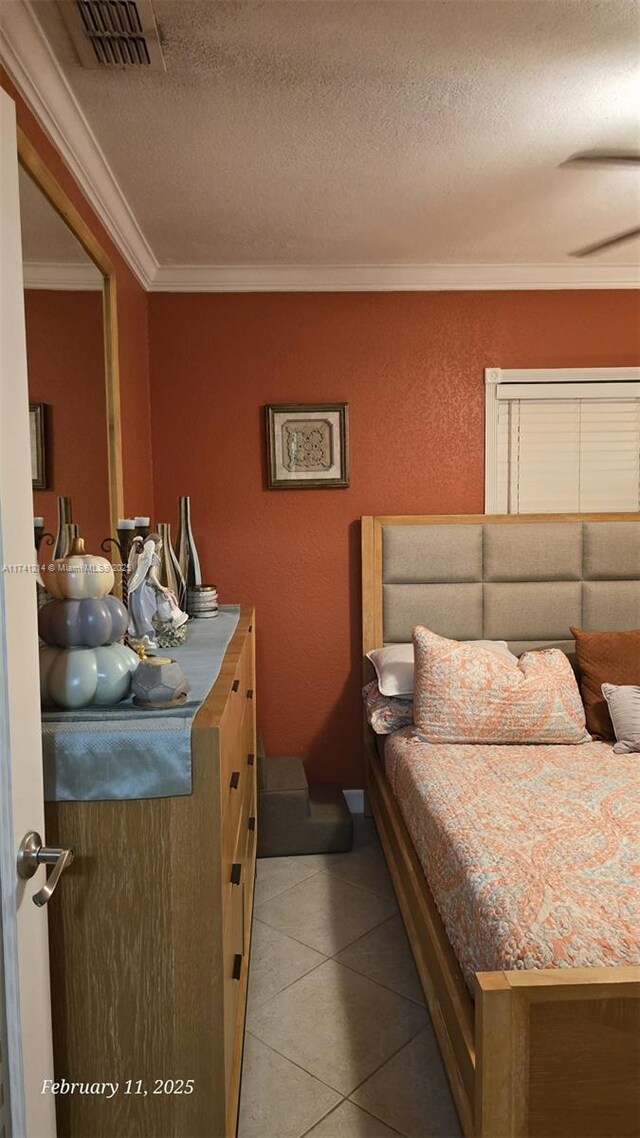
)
(202, 601)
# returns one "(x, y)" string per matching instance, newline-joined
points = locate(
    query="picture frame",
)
(307, 446)
(37, 412)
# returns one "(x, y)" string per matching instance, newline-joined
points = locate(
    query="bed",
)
(530, 1052)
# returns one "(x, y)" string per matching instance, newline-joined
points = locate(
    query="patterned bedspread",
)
(532, 853)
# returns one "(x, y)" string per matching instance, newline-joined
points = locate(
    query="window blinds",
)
(572, 449)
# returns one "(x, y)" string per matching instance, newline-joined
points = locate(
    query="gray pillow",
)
(624, 708)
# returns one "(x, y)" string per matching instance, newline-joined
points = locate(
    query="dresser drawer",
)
(231, 744)
(237, 799)
(238, 724)
(237, 840)
(235, 975)
(249, 874)
(230, 858)
(237, 754)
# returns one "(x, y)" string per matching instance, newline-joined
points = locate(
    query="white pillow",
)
(624, 708)
(394, 664)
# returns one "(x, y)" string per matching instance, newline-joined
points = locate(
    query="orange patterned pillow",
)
(465, 694)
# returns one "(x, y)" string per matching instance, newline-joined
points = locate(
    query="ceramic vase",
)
(62, 543)
(169, 570)
(186, 551)
(85, 677)
(81, 662)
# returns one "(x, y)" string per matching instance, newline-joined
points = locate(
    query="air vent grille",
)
(114, 33)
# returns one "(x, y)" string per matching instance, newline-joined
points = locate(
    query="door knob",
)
(32, 854)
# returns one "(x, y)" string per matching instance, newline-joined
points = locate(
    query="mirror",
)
(65, 367)
(72, 357)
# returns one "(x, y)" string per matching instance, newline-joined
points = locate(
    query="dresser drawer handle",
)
(250, 628)
(235, 685)
(249, 693)
(251, 824)
(234, 781)
(250, 759)
(237, 966)
(236, 870)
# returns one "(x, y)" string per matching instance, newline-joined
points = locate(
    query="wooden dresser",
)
(150, 933)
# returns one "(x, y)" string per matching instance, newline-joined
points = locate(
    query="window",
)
(562, 441)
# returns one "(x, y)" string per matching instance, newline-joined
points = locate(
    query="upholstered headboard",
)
(524, 579)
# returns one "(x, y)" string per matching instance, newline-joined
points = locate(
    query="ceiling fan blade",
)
(589, 158)
(598, 246)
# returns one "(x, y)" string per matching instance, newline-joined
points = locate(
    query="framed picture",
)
(307, 445)
(38, 457)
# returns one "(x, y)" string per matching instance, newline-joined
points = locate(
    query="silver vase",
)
(169, 570)
(72, 531)
(62, 543)
(186, 551)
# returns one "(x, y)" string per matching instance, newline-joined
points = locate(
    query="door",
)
(28, 1061)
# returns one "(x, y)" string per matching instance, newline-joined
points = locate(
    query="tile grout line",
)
(362, 888)
(287, 1058)
(394, 991)
(338, 877)
(388, 1060)
(352, 884)
(323, 1119)
(371, 1073)
(314, 873)
(357, 1105)
(341, 964)
(324, 869)
(384, 921)
(347, 1097)
(304, 944)
(333, 956)
(292, 982)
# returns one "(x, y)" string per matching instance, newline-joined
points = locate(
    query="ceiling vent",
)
(114, 33)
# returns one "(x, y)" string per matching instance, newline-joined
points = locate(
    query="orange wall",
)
(411, 367)
(65, 363)
(132, 325)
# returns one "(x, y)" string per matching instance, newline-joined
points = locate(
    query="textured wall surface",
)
(65, 361)
(132, 326)
(411, 367)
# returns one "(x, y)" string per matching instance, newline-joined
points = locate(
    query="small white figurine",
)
(153, 609)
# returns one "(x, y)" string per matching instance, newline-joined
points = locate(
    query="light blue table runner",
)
(124, 752)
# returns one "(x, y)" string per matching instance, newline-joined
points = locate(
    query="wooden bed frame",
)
(548, 1053)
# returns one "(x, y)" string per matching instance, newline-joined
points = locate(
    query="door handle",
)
(32, 854)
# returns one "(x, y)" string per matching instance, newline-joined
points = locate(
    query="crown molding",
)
(390, 278)
(62, 277)
(29, 60)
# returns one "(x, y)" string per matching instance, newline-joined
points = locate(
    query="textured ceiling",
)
(393, 132)
(45, 237)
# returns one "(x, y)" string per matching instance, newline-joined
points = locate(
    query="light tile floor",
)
(339, 1043)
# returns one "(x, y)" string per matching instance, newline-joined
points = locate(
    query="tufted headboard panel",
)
(509, 577)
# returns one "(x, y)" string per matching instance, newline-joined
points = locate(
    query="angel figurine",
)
(155, 617)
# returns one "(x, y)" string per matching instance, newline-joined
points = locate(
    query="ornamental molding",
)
(391, 278)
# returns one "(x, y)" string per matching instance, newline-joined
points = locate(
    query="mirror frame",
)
(32, 163)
